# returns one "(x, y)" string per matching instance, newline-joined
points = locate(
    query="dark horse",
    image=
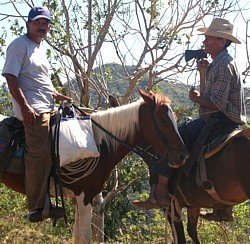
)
(148, 120)
(228, 171)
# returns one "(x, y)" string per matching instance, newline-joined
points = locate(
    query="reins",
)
(56, 161)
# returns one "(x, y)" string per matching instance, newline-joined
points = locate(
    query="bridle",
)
(162, 137)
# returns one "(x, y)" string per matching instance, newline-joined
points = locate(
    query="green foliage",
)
(16, 29)
(121, 217)
(132, 172)
(5, 101)
(2, 43)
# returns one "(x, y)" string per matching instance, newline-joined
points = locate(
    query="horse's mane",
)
(121, 122)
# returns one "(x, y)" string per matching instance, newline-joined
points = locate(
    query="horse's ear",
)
(148, 98)
(113, 102)
(151, 93)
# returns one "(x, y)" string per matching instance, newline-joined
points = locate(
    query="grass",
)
(15, 229)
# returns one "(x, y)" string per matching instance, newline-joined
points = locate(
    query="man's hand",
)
(202, 65)
(29, 114)
(194, 95)
(204, 101)
(61, 97)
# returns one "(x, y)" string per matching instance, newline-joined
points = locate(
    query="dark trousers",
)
(189, 132)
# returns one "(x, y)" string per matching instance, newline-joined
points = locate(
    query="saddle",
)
(201, 173)
(219, 142)
(211, 140)
(12, 141)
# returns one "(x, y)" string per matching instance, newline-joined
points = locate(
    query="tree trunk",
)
(98, 219)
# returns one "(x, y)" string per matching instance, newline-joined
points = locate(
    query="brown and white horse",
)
(148, 120)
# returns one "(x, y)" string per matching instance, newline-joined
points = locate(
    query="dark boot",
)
(161, 193)
(37, 215)
(150, 203)
(219, 215)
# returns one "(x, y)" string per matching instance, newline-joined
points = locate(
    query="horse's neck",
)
(115, 154)
(118, 124)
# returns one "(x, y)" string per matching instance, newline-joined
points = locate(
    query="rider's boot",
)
(161, 193)
(150, 203)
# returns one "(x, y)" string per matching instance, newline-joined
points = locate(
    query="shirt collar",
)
(219, 57)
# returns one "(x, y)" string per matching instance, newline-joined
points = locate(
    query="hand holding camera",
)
(202, 65)
(193, 95)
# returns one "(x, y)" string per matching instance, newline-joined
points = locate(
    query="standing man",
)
(33, 96)
(221, 96)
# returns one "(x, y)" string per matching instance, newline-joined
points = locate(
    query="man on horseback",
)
(220, 97)
(33, 97)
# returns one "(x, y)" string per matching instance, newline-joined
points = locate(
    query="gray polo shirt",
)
(27, 61)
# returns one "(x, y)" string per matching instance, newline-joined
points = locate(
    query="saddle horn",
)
(190, 54)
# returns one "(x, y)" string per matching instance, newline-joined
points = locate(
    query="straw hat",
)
(220, 28)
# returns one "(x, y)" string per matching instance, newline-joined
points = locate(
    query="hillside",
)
(117, 85)
(176, 91)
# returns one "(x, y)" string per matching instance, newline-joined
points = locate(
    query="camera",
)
(198, 54)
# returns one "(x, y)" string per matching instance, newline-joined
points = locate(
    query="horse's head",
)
(158, 126)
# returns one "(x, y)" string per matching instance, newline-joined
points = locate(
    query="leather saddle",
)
(219, 142)
(12, 144)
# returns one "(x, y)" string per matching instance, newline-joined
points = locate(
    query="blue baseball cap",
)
(39, 12)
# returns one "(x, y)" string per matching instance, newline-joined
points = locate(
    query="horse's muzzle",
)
(180, 161)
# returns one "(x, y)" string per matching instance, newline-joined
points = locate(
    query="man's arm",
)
(204, 101)
(28, 113)
(200, 97)
(202, 68)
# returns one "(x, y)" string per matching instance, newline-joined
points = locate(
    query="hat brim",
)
(220, 34)
(40, 17)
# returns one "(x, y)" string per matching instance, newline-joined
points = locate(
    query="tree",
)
(5, 101)
(150, 35)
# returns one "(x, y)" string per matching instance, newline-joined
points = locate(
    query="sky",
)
(237, 51)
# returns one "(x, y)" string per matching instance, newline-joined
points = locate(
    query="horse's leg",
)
(193, 215)
(82, 232)
(177, 228)
(180, 232)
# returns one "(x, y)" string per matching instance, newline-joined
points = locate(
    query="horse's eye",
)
(161, 120)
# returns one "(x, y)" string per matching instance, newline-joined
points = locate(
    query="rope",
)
(174, 212)
(85, 166)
